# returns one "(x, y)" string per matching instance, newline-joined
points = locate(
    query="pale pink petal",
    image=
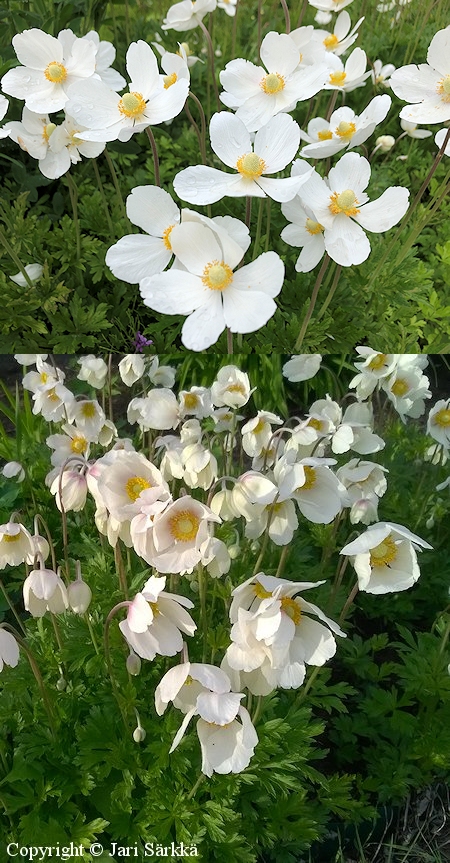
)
(386, 211)
(134, 257)
(345, 242)
(229, 138)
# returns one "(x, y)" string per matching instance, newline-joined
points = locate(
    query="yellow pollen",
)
(250, 166)
(377, 362)
(55, 72)
(337, 78)
(44, 377)
(188, 680)
(314, 423)
(383, 553)
(217, 275)
(169, 80)
(343, 202)
(310, 478)
(330, 42)
(345, 130)
(184, 525)
(47, 130)
(443, 88)
(261, 592)
(154, 608)
(166, 237)
(291, 608)
(11, 538)
(400, 387)
(259, 427)
(52, 396)
(272, 83)
(132, 104)
(325, 135)
(88, 410)
(191, 401)
(234, 388)
(314, 228)
(136, 485)
(442, 418)
(78, 444)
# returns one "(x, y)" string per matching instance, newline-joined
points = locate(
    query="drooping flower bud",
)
(79, 593)
(133, 664)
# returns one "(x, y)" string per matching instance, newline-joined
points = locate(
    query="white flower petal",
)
(277, 143)
(134, 257)
(37, 49)
(265, 274)
(241, 78)
(168, 103)
(204, 326)
(438, 55)
(345, 242)
(142, 68)
(93, 104)
(414, 83)
(196, 246)
(152, 209)
(247, 312)
(351, 172)
(229, 138)
(279, 53)
(173, 293)
(280, 190)
(386, 211)
(203, 185)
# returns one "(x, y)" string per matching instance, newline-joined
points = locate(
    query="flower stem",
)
(287, 17)
(313, 301)
(39, 519)
(16, 260)
(196, 786)
(229, 341)
(258, 228)
(211, 61)
(115, 689)
(202, 125)
(151, 138)
(330, 292)
(103, 196)
(73, 192)
(120, 569)
(3, 590)
(349, 602)
(116, 186)
(197, 132)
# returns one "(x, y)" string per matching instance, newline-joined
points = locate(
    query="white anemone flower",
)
(15, 544)
(136, 256)
(150, 100)
(49, 68)
(131, 368)
(314, 487)
(4, 104)
(329, 6)
(195, 402)
(310, 50)
(229, 6)
(257, 432)
(407, 388)
(341, 206)
(373, 368)
(231, 388)
(66, 147)
(342, 37)
(72, 442)
(33, 271)
(53, 402)
(384, 558)
(183, 683)
(156, 619)
(348, 129)
(29, 359)
(70, 489)
(88, 415)
(274, 147)
(93, 370)
(130, 483)
(412, 130)
(209, 292)
(178, 534)
(426, 85)
(438, 423)
(440, 138)
(258, 94)
(158, 410)
(33, 134)
(44, 590)
(9, 649)
(349, 76)
(105, 54)
(381, 74)
(187, 14)
(302, 367)
(45, 376)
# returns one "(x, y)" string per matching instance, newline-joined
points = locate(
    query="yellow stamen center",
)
(250, 166)
(166, 237)
(325, 135)
(154, 608)
(442, 418)
(55, 72)
(337, 78)
(377, 362)
(184, 525)
(314, 228)
(259, 427)
(272, 83)
(443, 89)
(291, 608)
(136, 485)
(316, 424)
(330, 42)
(191, 401)
(217, 275)
(78, 444)
(188, 680)
(44, 377)
(383, 553)
(169, 80)
(345, 130)
(400, 387)
(132, 104)
(343, 202)
(11, 538)
(310, 478)
(51, 395)
(261, 592)
(88, 410)
(235, 388)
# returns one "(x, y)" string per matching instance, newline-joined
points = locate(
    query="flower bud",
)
(61, 684)
(429, 522)
(385, 143)
(80, 595)
(139, 734)
(233, 550)
(133, 664)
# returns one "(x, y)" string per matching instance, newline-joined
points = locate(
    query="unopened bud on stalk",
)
(254, 548)
(385, 143)
(139, 733)
(233, 551)
(79, 593)
(61, 684)
(133, 664)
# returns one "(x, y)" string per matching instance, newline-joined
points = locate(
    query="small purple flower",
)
(140, 342)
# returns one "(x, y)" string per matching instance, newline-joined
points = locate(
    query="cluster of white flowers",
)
(187, 264)
(146, 504)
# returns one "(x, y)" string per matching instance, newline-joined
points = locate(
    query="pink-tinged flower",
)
(274, 147)
(426, 85)
(72, 487)
(49, 68)
(156, 619)
(178, 534)
(384, 558)
(44, 590)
